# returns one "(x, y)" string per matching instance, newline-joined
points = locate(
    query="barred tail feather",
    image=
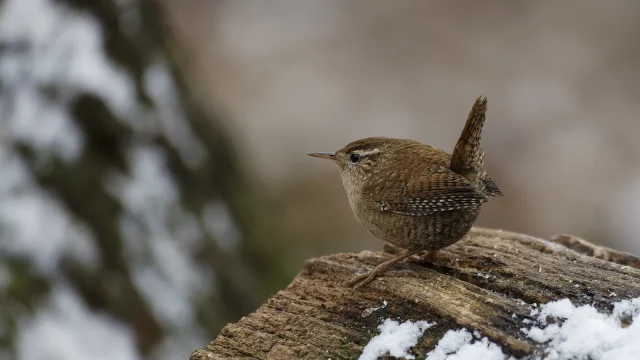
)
(468, 157)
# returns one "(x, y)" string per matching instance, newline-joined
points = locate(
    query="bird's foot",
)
(392, 249)
(429, 257)
(367, 277)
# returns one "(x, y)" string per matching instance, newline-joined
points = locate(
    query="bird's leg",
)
(369, 276)
(429, 256)
(391, 249)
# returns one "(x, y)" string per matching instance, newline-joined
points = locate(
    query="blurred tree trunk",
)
(109, 140)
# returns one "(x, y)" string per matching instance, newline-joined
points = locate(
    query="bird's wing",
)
(437, 189)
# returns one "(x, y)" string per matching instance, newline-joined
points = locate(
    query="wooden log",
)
(488, 282)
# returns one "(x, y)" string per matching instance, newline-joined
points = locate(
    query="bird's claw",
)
(428, 257)
(361, 280)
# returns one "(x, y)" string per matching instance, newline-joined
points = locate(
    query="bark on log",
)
(477, 284)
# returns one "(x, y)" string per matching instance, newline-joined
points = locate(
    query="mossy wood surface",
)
(478, 284)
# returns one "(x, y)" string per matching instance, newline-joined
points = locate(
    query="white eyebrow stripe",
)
(368, 152)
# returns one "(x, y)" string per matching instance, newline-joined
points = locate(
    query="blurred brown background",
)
(562, 80)
(154, 181)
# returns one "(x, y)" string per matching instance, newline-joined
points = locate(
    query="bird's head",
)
(361, 158)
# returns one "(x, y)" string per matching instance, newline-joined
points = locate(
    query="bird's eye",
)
(354, 158)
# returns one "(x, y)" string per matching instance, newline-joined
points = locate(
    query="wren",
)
(415, 196)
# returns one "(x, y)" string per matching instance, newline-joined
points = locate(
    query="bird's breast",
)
(363, 213)
(354, 194)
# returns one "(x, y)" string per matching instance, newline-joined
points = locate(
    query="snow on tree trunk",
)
(127, 227)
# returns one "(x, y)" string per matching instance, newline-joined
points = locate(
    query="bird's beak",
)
(323, 155)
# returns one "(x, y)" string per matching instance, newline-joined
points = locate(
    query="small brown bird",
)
(412, 195)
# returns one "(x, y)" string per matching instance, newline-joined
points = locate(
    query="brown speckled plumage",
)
(413, 195)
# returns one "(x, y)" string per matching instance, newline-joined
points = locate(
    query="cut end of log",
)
(489, 282)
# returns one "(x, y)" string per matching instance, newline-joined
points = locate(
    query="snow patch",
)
(60, 47)
(66, 329)
(395, 339)
(368, 311)
(565, 332)
(169, 114)
(460, 345)
(584, 333)
(67, 48)
(487, 276)
(219, 223)
(33, 223)
(156, 228)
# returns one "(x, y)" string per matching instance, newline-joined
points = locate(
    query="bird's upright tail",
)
(468, 157)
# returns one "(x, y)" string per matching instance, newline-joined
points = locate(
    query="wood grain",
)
(488, 282)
